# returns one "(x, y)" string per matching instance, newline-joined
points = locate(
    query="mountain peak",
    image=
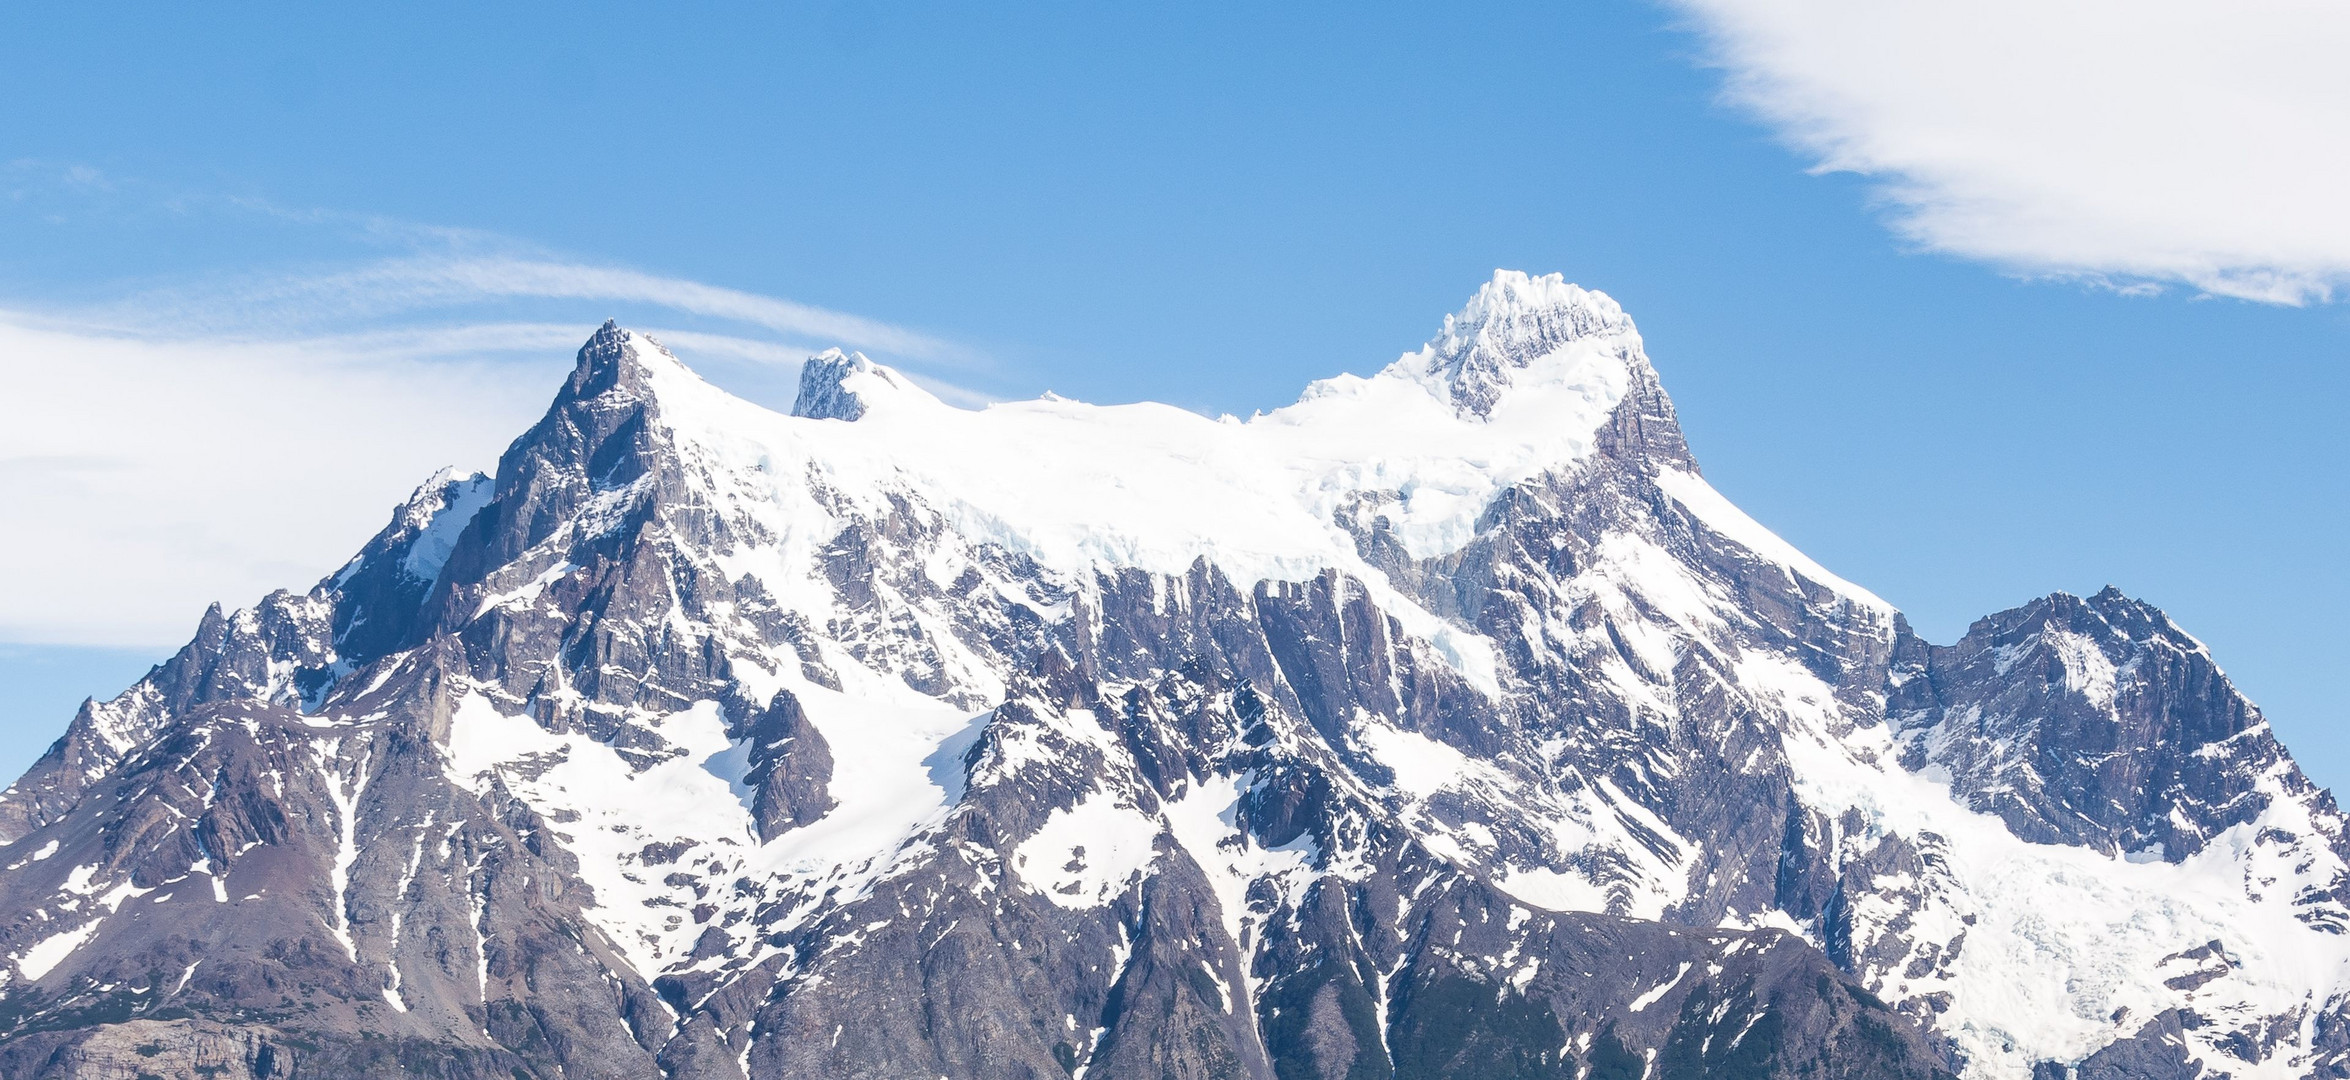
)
(837, 385)
(613, 356)
(608, 345)
(1515, 322)
(1513, 295)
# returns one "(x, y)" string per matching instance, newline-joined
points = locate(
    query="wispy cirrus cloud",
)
(213, 436)
(2134, 143)
(453, 281)
(412, 273)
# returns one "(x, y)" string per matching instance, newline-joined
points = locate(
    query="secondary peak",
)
(836, 385)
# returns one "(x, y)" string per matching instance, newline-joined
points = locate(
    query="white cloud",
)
(214, 435)
(188, 447)
(145, 479)
(441, 281)
(2124, 141)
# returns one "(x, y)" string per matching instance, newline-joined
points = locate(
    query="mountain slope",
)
(1444, 723)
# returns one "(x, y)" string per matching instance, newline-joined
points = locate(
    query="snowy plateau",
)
(1445, 723)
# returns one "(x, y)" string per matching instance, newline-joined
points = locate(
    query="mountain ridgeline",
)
(1443, 724)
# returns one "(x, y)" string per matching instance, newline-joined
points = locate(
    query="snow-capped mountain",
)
(1445, 723)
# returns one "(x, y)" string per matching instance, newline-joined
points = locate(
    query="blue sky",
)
(232, 219)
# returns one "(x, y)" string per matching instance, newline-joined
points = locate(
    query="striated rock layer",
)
(1443, 724)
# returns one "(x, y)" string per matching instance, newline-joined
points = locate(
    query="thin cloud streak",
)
(729, 347)
(408, 285)
(457, 279)
(439, 268)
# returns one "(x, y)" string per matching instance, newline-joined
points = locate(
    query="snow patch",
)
(1084, 856)
(1657, 993)
(45, 954)
(1422, 766)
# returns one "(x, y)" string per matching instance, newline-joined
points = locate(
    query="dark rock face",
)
(602, 769)
(2094, 722)
(824, 393)
(790, 766)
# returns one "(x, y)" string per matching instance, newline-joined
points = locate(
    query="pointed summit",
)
(613, 356)
(604, 348)
(1515, 322)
